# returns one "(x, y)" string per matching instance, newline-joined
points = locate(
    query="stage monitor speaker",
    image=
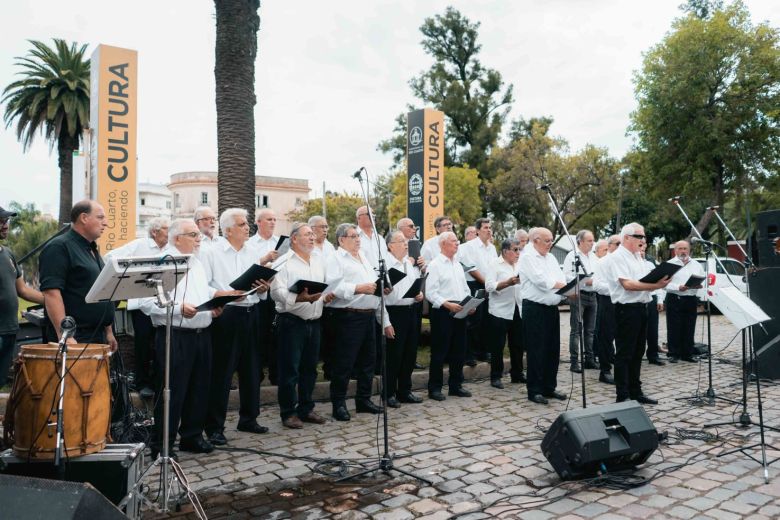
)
(36, 498)
(765, 292)
(768, 227)
(612, 437)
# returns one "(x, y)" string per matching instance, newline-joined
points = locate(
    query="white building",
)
(281, 194)
(154, 200)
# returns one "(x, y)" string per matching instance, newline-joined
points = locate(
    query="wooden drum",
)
(31, 415)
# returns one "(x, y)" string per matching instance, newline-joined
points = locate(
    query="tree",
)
(234, 71)
(707, 119)
(472, 97)
(28, 230)
(51, 97)
(341, 207)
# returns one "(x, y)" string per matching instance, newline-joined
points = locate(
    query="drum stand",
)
(169, 478)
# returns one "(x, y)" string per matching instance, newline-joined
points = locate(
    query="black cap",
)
(6, 214)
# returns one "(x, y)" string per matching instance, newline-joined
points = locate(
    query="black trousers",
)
(355, 352)
(297, 363)
(234, 348)
(448, 342)
(680, 324)
(477, 325)
(500, 331)
(630, 337)
(189, 380)
(329, 340)
(652, 329)
(604, 337)
(266, 336)
(542, 337)
(144, 344)
(402, 351)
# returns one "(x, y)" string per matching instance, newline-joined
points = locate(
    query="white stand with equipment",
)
(145, 277)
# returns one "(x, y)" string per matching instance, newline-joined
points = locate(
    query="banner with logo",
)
(425, 169)
(113, 121)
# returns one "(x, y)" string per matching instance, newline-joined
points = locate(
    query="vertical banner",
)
(425, 169)
(113, 121)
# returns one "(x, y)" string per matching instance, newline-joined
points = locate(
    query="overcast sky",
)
(332, 76)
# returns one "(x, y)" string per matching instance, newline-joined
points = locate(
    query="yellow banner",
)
(433, 169)
(113, 121)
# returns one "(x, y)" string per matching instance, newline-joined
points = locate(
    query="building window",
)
(265, 201)
(176, 201)
(204, 197)
(167, 204)
(143, 202)
(298, 202)
(257, 201)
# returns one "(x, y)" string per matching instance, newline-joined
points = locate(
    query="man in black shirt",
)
(69, 265)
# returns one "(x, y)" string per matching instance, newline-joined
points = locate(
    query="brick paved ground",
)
(482, 455)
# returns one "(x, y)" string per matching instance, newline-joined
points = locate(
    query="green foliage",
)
(341, 207)
(28, 230)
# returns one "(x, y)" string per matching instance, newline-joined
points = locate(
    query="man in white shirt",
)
(470, 233)
(206, 220)
(235, 331)
(368, 239)
(480, 253)
(587, 304)
(190, 347)
(298, 329)
(521, 235)
(430, 248)
(541, 277)
(630, 297)
(156, 244)
(681, 304)
(653, 308)
(446, 287)
(401, 349)
(503, 285)
(604, 337)
(322, 247)
(356, 311)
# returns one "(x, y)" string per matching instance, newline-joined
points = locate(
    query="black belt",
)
(296, 318)
(529, 302)
(400, 306)
(182, 329)
(352, 309)
(639, 304)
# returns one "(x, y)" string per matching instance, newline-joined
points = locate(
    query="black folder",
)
(665, 269)
(314, 287)
(566, 288)
(393, 277)
(468, 268)
(694, 281)
(218, 301)
(280, 242)
(255, 272)
(414, 249)
(416, 287)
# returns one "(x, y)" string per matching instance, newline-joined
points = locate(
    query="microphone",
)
(702, 241)
(68, 328)
(356, 175)
(712, 208)
(674, 199)
(545, 187)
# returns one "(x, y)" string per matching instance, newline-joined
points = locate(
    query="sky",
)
(332, 76)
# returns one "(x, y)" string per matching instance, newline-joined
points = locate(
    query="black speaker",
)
(768, 227)
(35, 498)
(606, 438)
(765, 292)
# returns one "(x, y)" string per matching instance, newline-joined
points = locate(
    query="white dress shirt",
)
(262, 245)
(502, 303)
(324, 252)
(193, 288)
(588, 262)
(294, 269)
(223, 264)
(403, 285)
(430, 249)
(538, 276)
(600, 284)
(446, 281)
(480, 255)
(368, 248)
(681, 276)
(625, 265)
(207, 243)
(352, 272)
(138, 247)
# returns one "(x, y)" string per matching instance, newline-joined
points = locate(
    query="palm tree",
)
(234, 72)
(52, 96)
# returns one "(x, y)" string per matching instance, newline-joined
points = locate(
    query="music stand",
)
(742, 313)
(145, 277)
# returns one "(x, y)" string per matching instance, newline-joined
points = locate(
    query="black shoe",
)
(471, 363)
(590, 364)
(557, 395)
(410, 398)
(538, 399)
(575, 367)
(643, 399)
(606, 378)
(418, 366)
(392, 402)
(690, 359)
(196, 445)
(436, 396)
(217, 439)
(621, 399)
(341, 414)
(496, 383)
(656, 361)
(671, 359)
(171, 453)
(520, 379)
(483, 357)
(366, 406)
(459, 392)
(252, 427)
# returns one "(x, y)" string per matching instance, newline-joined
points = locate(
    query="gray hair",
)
(199, 211)
(400, 222)
(612, 239)
(228, 218)
(629, 229)
(343, 229)
(176, 228)
(392, 234)
(602, 242)
(157, 223)
(581, 234)
(314, 219)
(507, 244)
(296, 228)
(521, 233)
(262, 212)
(446, 236)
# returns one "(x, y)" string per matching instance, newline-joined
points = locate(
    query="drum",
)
(31, 414)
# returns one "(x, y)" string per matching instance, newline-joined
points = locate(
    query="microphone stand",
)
(67, 326)
(710, 394)
(748, 360)
(577, 266)
(385, 462)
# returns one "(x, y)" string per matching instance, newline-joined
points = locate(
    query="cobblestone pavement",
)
(483, 457)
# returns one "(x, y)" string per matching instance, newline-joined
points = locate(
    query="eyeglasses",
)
(323, 226)
(515, 249)
(638, 237)
(210, 219)
(194, 234)
(410, 226)
(545, 240)
(398, 242)
(351, 236)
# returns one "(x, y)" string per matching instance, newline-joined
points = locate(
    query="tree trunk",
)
(66, 144)
(234, 72)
